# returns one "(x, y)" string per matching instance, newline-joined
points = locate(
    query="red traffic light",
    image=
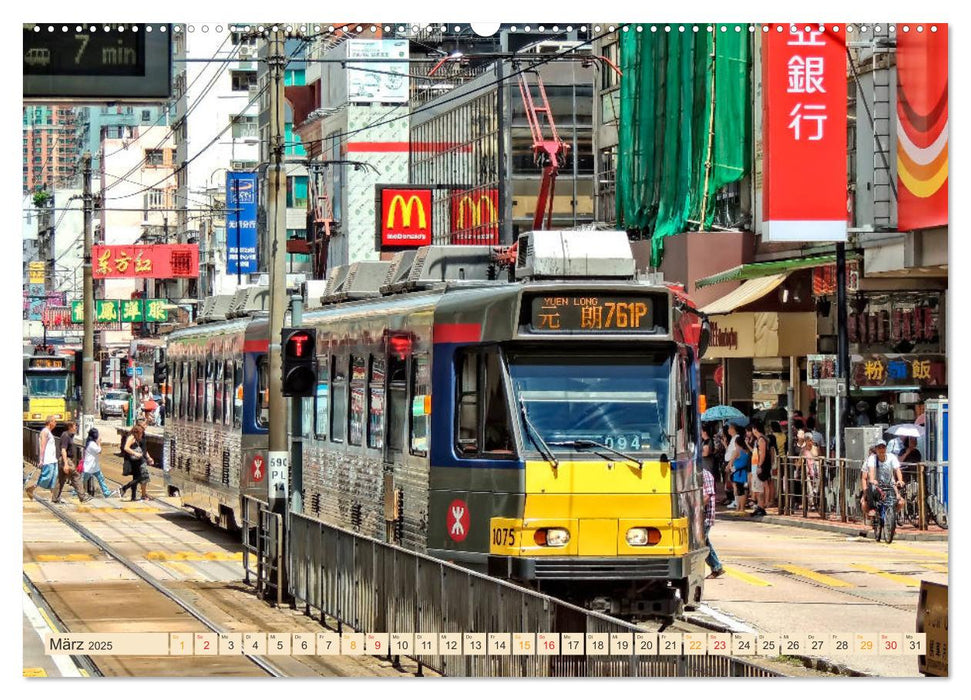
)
(299, 345)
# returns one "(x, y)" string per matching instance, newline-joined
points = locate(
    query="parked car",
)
(114, 403)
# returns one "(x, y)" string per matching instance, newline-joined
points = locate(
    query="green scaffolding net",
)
(668, 130)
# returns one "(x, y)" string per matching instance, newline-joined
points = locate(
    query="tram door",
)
(398, 355)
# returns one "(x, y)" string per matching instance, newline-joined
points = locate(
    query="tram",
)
(544, 429)
(50, 387)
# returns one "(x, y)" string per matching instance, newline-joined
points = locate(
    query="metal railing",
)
(828, 488)
(263, 545)
(372, 586)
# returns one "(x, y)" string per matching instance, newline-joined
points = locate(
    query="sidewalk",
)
(851, 529)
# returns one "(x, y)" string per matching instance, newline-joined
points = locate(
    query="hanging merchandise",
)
(882, 320)
(896, 328)
(908, 324)
(851, 329)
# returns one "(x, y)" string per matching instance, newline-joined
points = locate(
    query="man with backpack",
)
(762, 461)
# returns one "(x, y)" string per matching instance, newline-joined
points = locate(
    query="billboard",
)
(404, 217)
(804, 133)
(145, 261)
(375, 80)
(241, 199)
(475, 217)
(922, 125)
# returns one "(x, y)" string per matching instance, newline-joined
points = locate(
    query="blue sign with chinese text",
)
(241, 199)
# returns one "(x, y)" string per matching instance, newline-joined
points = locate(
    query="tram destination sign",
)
(94, 62)
(591, 313)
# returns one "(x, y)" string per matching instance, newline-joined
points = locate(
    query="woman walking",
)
(137, 461)
(92, 463)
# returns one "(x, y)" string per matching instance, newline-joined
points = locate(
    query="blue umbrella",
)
(722, 413)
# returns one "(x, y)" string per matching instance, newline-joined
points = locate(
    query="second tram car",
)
(544, 430)
(50, 388)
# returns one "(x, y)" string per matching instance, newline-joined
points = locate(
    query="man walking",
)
(708, 492)
(68, 470)
(48, 452)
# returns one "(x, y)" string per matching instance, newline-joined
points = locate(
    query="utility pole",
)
(842, 348)
(87, 347)
(276, 234)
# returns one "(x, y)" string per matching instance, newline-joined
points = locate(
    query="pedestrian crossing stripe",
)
(194, 556)
(35, 673)
(897, 578)
(935, 567)
(917, 550)
(64, 557)
(184, 569)
(815, 576)
(747, 578)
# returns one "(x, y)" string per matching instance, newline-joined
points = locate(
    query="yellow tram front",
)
(49, 389)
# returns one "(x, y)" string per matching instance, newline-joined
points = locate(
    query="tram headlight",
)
(552, 537)
(643, 536)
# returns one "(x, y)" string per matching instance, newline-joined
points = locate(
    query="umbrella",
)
(721, 413)
(906, 430)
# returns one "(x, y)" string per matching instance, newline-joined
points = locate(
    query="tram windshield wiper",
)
(535, 436)
(590, 444)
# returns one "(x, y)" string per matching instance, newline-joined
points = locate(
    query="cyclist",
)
(884, 471)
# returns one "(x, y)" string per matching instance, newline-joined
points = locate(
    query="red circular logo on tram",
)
(258, 468)
(457, 520)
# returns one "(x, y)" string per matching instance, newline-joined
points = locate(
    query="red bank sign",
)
(145, 261)
(804, 133)
(404, 217)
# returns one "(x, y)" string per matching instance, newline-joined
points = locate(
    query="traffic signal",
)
(299, 361)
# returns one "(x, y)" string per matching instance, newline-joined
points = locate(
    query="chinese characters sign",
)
(592, 313)
(241, 199)
(123, 311)
(475, 217)
(922, 124)
(899, 371)
(145, 261)
(804, 133)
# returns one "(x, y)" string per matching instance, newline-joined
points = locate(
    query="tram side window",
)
(229, 392)
(190, 390)
(375, 429)
(420, 390)
(338, 400)
(210, 390)
(178, 408)
(483, 421)
(200, 390)
(217, 404)
(263, 392)
(397, 401)
(321, 399)
(238, 394)
(355, 430)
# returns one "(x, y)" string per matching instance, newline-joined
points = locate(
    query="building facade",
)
(52, 144)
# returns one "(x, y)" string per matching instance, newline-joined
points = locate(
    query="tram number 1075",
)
(504, 537)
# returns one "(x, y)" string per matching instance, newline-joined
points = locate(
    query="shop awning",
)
(751, 290)
(748, 271)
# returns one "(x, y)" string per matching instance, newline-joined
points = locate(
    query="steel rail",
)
(261, 662)
(81, 661)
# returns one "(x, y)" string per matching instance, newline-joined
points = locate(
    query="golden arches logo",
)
(475, 209)
(406, 208)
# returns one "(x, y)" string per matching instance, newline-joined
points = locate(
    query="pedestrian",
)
(707, 449)
(68, 471)
(741, 468)
(910, 453)
(48, 457)
(884, 472)
(708, 492)
(137, 461)
(862, 417)
(92, 463)
(810, 456)
(761, 467)
(731, 440)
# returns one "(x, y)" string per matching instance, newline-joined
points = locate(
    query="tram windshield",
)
(618, 400)
(47, 384)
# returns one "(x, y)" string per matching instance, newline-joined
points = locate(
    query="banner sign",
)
(145, 261)
(804, 133)
(35, 272)
(818, 368)
(123, 311)
(922, 123)
(241, 199)
(376, 81)
(475, 217)
(404, 217)
(892, 371)
(824, 279)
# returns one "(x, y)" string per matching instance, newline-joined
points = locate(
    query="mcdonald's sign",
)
(475, 217)
(404, 217)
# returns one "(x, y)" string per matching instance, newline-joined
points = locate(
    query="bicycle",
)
(935, 510)
(885, 520)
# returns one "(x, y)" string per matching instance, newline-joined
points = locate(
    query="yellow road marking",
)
(916, 550)
(194, 556)
(35, 673)
(84, 673)
(182, 568)
(747, 578)
(64, 557)
(817, 577)
(47, 619)
(935, 567)
(31, 568)
(898, 578)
